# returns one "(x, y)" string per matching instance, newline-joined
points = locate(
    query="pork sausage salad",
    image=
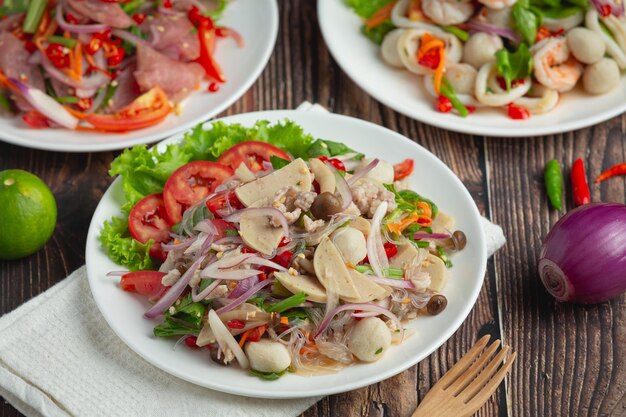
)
(278, 251)
(106, 65)
(520, 56)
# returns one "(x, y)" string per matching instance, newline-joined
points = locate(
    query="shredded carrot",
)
(380, 16)
(402, 224)
(79, 59)
(44, 24)
(284, 320)
(426, 210)
(93, 66)
(244, 336)
(77, 114)
(428, 44)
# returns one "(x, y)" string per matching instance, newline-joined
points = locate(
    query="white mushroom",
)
(323, 175)
(303, 283)
(586, 45)
(295, 174)
(331, 270)
(244, 174)
(383, 172)
(601, 77)
(258, 233)
(351, 244)
(437, 271)
(370, 339)
(481, 48)
(268, 356)
(390, 48)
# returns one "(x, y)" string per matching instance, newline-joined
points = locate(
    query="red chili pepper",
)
(283, 242)
(579, 184)
(167, 4)
(605, 10)
(214, 87)
(430, 59)
(619, 169)
(390, 249)
(94, 45)
(57, 55)
(197, 18)
(443, 104)
(471, 109)
(71, 19)
(85, 104)
(235, 324)
(517, 113)
(190, 341)
(139, 18)
(35, 120)
(284, 258)
(117, 58)
(30, 46)
(256, 333)
(334, 162)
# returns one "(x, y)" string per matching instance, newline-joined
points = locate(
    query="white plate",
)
(255, 20)
(403, 91)
(124, 311)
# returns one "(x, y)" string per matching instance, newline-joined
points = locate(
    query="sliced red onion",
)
(127, 36)
(342, 187)
(424, 235)
(168, 11)
(174, 292)
(265, 262)
(375, 249)
(267, 166)
(363, 171)
(397, 283)
(346, 156)
(86, 92)
(45, 104)
(365, 308)
(77, 28)
(232, 261)
(225, 339)
(475, 25)
(181, 245)
(206, 226)
(617, 7)
(204, 294)
(34, 58)
(235, 274)
(243, 286)
(384, 303)
(202, 244)
(229, 240)
(96, 80)
(245, 296)
(263, 211)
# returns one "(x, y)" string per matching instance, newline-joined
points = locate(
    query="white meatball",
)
(268, 356)
(462, 77)
(601, 77)
(481, 49)
(383, 172)
(351, 244)
(586, 45)
(370, 339)
(390, 49)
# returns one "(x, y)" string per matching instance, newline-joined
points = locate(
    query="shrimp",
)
(553, 66)
(498, 4)
(448, 12)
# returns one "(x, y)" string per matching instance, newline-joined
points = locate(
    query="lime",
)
(28, 213)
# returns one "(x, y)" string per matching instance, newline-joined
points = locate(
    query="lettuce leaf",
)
(366, 8)
(514, 65)
(122, 248)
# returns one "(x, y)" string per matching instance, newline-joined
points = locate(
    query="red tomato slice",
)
(191, 183)
(146, 283)
(222, 226)
(218, 203)
(403, 169)
(147, 220)
(252, 153)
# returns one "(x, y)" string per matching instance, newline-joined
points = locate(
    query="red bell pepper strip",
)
(579, 184)
(207, 37)
(619, 169)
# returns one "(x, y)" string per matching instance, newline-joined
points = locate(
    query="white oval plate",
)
(404, 92)
(124, 311)
(255, 20)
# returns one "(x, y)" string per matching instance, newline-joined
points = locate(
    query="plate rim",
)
(15, 139)
(513, 131)
(94, 229)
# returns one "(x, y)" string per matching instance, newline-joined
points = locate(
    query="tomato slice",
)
(403, 169)
(218, 203)
(222, 226)
(191, 183)
(146, 283)
(147, 220)
(252, 153)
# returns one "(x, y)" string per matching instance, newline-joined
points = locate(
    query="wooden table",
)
(572, 359)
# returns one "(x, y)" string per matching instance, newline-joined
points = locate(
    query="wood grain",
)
(571, 359)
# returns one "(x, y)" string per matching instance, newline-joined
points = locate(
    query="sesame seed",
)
(172, 310)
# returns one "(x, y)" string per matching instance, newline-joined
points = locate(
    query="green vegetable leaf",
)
(329, 148)
(10, 7)
(277, 162)
(287, 303)
(366, 8)
(131, 7)
(458, 32)
(169, 329)
(407, 200)
(444, 257)
(377, 33)
(268, 376)
(231, 232)
(122, 248)
(514, 65)
(526, 21)
(217, 12)
(379, 351)
(389, 272)
(188, 312)
(5, 102)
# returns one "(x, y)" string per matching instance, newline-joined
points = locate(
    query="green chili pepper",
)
(35, 12)
(447, 91)
(554, 183)
(69, 42)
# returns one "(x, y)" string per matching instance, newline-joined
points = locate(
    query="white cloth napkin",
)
(59, 358)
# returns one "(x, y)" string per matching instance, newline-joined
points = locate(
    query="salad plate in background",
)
(406, 93)
(125, 312)
(257, 23)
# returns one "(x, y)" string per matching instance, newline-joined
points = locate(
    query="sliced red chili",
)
(213, 87)
(191, 341)
(336, 163)
(390, 249)
(284, 258)
(444, 105)
(430, 59)
(139, 18)
(235, 324)
(85, 104)
(57, 54)
(117, 58)
(517, 113)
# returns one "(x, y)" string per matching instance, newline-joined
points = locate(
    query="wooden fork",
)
(468, 384)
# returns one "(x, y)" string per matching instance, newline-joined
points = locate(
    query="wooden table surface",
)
(572, 359)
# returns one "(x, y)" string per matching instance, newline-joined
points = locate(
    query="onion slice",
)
(226, 340)
(263, 211)
(363, 171)
(245, 296)
(45, 104)
(375, 249)
(235, 274)
(174, 292)
(77, 28)
(342, 188)
(365, 308)
(424, 235)
(127, 36)
(198, 297)
(475, 25)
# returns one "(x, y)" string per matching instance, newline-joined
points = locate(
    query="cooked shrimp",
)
(498, 4)
(554, 67)
(448, 12)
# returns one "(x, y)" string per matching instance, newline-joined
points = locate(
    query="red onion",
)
(45, 105)
(226, 340)
(77, 28)
(616, 7)
(263, 211)
(174, 292)
(206, 226)
(96, 80)
(342, 188)
(375, 249)
(232, 261)
(366, 308)
(245, 296)
(181, 245)
(397, 283)
(424, 235)
(363, 171)
(11, 22)
(235, 274)
(169, 11)
(475, 25)
(242, 287)
(136, 40)
(265, 262)
(592, 275)
(197, 297)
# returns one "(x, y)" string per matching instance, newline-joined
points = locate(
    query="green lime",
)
(28, 214)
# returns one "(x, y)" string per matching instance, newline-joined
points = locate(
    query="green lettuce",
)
(122, 248)
(366, 8)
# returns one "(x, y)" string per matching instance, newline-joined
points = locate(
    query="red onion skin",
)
(583, 258)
